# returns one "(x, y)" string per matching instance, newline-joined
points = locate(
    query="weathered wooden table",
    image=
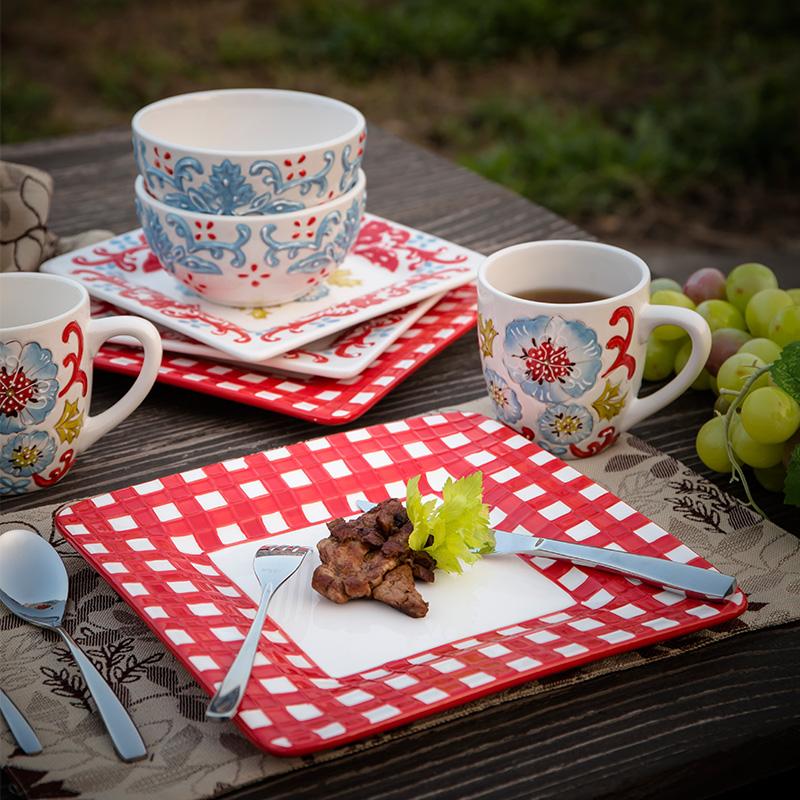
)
(693, 725)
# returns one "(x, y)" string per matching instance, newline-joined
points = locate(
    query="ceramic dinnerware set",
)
(267, 279)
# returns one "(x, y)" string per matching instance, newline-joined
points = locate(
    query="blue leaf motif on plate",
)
(551, 358)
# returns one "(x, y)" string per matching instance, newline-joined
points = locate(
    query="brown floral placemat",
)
(191, 758)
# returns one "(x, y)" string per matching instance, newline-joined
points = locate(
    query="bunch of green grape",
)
(751, 321)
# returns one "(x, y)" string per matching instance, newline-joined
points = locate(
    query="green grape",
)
(723, 403)
(795, 295)
(765, 349)
(659, 358)
(703, 381)
(784, 327)
(771, 478)
(666, 297)
(769, 415)
(736, 371)
(753, 453)
(747, 279)
(763, 307)
(710, 445)
(662, 284)
(719, 314)
(712, 383)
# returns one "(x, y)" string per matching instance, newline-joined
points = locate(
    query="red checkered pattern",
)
(329, 401)
(151, 542)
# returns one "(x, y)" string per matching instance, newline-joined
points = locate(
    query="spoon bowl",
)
(34, 586)
(33, 581)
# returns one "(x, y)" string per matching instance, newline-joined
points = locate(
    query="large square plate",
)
(329, 401)
(178, 550)
(389, 267)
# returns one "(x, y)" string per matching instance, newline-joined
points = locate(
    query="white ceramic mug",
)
(567, 375)
(47, 343)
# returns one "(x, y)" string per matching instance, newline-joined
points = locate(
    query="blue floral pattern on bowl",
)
(247, 262)
(259, 187)
(552, 359)
(193, 243)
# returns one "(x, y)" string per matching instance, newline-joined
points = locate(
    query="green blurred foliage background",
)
(662, 116)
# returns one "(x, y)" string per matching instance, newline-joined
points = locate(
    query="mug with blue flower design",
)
(567, 375)
(47, 343)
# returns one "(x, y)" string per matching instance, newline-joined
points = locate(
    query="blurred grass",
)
(593, 109)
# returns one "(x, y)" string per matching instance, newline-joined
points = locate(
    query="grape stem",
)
(737, 473)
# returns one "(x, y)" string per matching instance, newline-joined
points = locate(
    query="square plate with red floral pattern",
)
(342, 355)
(329, 401)
(179, 550)
(390, 266)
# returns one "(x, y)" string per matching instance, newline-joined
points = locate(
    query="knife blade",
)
(707, 584)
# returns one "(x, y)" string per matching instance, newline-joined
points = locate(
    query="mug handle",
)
(651, 317)
(97, 332)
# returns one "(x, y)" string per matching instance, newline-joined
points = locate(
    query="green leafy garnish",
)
(458, 527)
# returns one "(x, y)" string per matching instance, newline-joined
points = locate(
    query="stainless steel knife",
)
(707, 584)
(694, 581)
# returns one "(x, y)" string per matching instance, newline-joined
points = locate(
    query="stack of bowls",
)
(250, 197)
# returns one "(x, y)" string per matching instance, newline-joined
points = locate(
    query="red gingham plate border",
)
(329, 401)
(151, 542)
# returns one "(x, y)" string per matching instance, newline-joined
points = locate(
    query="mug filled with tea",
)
(562, 330)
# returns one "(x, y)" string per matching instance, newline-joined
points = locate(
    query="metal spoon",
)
(273, 565)
(34, 586)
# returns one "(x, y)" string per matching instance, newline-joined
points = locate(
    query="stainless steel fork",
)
(273, 565)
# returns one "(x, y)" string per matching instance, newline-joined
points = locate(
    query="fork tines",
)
(282, 550)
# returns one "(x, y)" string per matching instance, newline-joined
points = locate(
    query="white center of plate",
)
(497, 592)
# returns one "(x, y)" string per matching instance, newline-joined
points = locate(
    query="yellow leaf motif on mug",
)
(610, 402)
(71, 422)
(486, 335)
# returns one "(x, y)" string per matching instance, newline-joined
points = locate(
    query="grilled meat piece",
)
(397, 590)
(370, 557)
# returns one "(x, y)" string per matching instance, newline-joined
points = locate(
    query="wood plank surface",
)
(693, 725)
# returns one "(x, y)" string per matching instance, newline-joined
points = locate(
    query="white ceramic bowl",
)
(248, 151)
(255, 260)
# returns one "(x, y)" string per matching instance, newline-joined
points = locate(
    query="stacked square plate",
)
(399, 297)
